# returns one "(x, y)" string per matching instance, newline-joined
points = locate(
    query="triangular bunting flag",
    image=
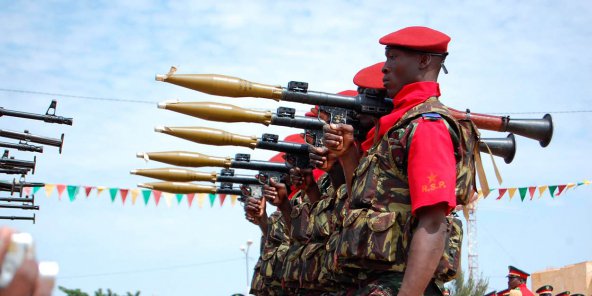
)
(146, 195)
(123, 193)
(49, 189)
(541, 190)
(522, 191)
(511, 192)
(586, 182)
(87, 190)
(531, 190)
(570, 186)
(168, 197)
(222, 198)
(61, 189)
(156, 194)
(190, 197)
(72, 192)
(35, 189)
(501, 191)
(100, 189)
(552, 190)
(233, 199)
(212, 199)
(200, 199)
(135, 193)
(580, 183)
(561, 188)
(113, 193)
(27, 191)
(179, 198)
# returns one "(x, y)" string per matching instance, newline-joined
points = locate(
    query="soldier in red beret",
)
(408, 173)
(517, 282)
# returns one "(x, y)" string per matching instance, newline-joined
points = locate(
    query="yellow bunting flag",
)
(542, 189)
(586, 182)
(233, 199)
(135, 193)
(100, 189)
(49, 189)
(570, 186)
(201, 197)
(168, 197)
(511, 192)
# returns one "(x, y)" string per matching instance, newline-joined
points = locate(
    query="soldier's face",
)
(513, 282)
(401, 68)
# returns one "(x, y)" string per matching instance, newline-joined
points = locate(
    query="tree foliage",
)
(78, 292)
(470, 287)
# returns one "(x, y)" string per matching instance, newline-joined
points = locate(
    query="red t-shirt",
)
(431, 165)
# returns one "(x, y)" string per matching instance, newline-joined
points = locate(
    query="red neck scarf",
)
(408, 97)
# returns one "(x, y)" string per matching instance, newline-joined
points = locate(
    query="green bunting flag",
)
(179, 198)
(146, 195)
(212, 199)
(522, 192)
(72, 192)
(113, 193)
(552, 190)
(35, 189)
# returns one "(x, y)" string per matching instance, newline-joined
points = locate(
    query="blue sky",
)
(505, 57)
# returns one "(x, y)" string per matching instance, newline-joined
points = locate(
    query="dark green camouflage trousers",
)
(388, 284)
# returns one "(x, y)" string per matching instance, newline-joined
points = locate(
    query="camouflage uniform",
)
(273, 255)
(297, 242)
(377, 229)
(257, 285)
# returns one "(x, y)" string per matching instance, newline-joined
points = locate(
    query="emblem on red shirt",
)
(433, 183)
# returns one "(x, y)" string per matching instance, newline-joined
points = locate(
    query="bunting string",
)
(154, 196)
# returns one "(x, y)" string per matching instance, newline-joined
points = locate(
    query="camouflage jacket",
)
(274, 250)
(377, 229)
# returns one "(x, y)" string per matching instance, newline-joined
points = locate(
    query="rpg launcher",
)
(185, 188)
(28, 137)
(49, 115)
(365, 103)
(267, 169)
(296, 153)
(12, 165)
(185, 175)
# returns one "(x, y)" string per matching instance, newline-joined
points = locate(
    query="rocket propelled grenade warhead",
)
(230, 113)
(185, 175)
(221, 85)
(186, 188)
(175, 174)
(194, 159)
(186, 159)
(178, 187)
(218, 112)
(209, 136)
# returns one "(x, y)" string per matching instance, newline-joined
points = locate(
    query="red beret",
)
(370, 77)
(418, 38)
(278, 158)
(295, 138)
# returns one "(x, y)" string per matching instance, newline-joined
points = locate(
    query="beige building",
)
(576, 278)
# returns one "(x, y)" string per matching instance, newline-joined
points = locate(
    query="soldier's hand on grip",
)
(276, 193)
(338, 138)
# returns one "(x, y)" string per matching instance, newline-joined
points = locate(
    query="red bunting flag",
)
(156, 194)
(531, 190)
(61, 189)
(123, 193)
(190, 197)
(561, 188)
(222, 198)
(501, 191)
(27, 191)
(87, 190)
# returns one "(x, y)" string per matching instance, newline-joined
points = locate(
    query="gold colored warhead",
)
(187, 159)
(209, 136)
(176, 174)
(217, 111)
(221, 85)
(178, 187)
